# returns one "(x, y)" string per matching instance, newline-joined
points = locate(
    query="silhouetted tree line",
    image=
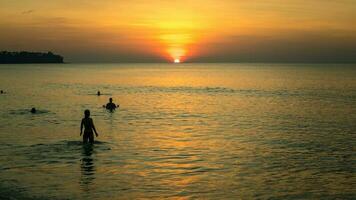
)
(29, 57)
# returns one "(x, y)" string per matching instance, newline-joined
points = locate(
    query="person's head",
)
(87, 113)
(1, 92)
(33, 110)
(98, 93)
(110, 100)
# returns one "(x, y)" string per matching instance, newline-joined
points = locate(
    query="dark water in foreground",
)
(204, 131)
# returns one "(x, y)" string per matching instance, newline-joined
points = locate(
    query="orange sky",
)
(194, 30)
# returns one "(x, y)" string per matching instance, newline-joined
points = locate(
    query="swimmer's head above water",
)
(33, 110)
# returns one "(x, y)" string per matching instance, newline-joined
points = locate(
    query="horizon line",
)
(182, 63)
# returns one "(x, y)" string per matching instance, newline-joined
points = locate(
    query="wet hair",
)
(33, 110)
(87, 113)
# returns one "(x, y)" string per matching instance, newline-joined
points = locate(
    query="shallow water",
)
(205, 131)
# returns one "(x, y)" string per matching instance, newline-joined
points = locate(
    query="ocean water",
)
(187, 131)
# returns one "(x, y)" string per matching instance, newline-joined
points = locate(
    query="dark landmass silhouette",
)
(29, 57)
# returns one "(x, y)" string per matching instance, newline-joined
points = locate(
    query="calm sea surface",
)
(187, 131)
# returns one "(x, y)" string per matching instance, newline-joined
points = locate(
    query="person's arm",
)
(81, 128)
(92, 125)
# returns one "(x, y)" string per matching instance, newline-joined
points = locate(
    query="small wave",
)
(12, 190)
(101, 94)
(198, 170)
(28, 112)
(61, 152)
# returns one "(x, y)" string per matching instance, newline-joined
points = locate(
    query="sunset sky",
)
(189, 30)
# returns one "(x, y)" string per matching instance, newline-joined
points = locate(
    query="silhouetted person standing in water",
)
(110, 106)
(88, 125)
(98, 93)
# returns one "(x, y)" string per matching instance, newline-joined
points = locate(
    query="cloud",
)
(27, 12)
(318, 47)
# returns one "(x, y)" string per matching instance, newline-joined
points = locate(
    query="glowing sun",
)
(176, 60)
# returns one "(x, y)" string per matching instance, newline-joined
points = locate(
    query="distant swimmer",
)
(33, 110)
(98, 93)
(111, 106)
(88, 125)
(1, 91)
